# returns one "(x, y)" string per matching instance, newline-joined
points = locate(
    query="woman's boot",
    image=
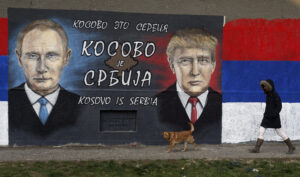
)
(290, 145)
(259, 142)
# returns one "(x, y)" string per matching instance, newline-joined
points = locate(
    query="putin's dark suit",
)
(25, 128)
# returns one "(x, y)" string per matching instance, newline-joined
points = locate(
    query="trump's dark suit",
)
(173, 117)
(25, 127)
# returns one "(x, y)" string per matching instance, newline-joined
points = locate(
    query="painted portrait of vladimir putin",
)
(191, 55)
(40, 106)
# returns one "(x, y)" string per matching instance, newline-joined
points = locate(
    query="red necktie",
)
(193, 101)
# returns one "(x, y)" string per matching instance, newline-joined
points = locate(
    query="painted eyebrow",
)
(30, 53)
(183, 57)
(203, 57)
(53, 53)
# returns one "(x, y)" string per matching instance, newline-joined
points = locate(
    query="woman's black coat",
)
(273, 107)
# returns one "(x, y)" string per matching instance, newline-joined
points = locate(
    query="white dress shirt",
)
(34, 97)
(184, 98)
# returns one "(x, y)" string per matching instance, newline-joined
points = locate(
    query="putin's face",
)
(42, 58)
(193, 68)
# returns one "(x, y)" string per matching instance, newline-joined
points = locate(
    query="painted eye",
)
(204, 61)
(32, 56)
(51, 55)
(185, 61)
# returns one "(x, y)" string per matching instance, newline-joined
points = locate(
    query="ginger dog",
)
(178, 137)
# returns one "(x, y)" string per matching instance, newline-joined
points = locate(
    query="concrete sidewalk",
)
(142, 152)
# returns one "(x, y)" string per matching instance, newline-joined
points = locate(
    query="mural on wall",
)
(112, 78)
(130, 84)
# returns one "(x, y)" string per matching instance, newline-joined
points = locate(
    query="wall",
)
(232, 9)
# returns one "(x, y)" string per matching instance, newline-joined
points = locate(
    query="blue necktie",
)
(43, 115)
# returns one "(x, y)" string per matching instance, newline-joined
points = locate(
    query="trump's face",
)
(42, 58)
(193, 68)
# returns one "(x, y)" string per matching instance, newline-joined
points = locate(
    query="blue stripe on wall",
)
(3, 78)
(240, 80)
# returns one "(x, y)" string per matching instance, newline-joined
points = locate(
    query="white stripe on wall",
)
(241, 121)
(3, 123)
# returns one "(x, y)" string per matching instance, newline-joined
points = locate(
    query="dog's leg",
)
(195, 145)
(185, 146)
(192, 141)
(171, 146)
(175, 147)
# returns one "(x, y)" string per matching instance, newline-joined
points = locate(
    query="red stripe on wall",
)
(3, 36)
(260, 39)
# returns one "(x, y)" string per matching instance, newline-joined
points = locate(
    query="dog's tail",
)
(192, 127)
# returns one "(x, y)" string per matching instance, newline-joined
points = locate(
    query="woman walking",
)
(271, 117)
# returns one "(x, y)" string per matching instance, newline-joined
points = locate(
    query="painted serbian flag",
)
(253, 50)
(3, 82)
